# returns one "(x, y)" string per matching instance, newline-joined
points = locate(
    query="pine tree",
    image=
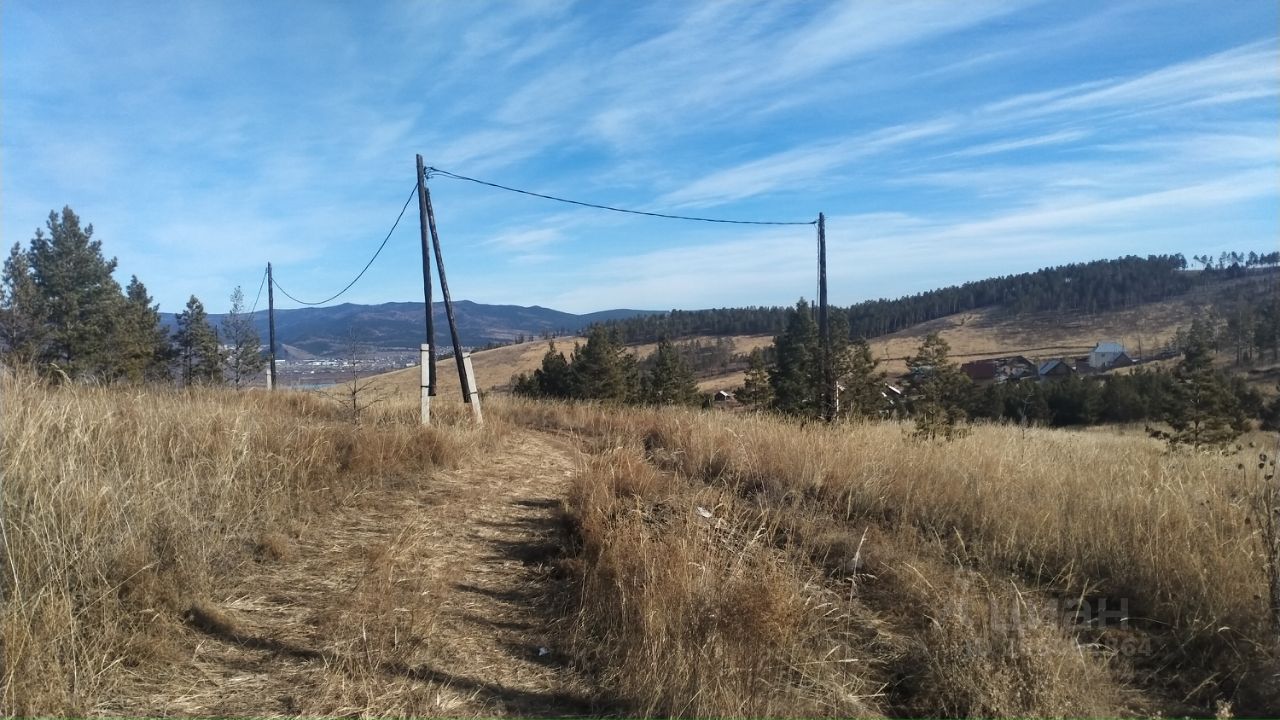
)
(23, 332)
(1204, 411)
(603, 369)
(936, 389)
(756, 391)
(199, 355)
(795, 377)
(863, 393)
(669, 381)
(554, 379)
(244, 358)
(81, 301)
(142, 344)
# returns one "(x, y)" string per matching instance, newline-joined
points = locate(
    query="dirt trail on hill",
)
(426, 600)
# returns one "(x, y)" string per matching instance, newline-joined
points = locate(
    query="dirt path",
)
(430, 600)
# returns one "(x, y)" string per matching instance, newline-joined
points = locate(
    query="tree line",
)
(63, 314)
(603, 369)
(1196, 403)
(1091, 287)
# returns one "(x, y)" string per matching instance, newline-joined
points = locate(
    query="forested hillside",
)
(1098, 286)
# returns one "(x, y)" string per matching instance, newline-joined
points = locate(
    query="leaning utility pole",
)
(271, 327)
(464, 378)
(427, 356)
(824, 325)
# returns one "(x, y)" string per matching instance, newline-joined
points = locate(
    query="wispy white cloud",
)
(798, 168)
(524, 239)
(1055, 138)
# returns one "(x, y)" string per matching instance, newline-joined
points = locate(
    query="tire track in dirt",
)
(430, 599)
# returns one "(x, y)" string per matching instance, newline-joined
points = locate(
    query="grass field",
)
(215, 552)
(850, 570)
(125, 510)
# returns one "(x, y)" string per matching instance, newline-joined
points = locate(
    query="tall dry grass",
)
(124, 508)
(940, 541)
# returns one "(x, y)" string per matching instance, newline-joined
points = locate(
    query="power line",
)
(258, 297)
(455, 176)
(377, 252)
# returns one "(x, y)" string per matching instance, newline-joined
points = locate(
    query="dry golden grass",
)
(210, 552)
(931, 544)
(494, 368)
(126, 509)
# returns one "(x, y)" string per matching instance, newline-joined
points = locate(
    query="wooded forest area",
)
(1091, 287)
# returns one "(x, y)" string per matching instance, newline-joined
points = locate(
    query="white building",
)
(1105, 355)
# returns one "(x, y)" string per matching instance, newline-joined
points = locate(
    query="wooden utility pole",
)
(429, 356)
(271, 328)
(824, 324)
(467, 395)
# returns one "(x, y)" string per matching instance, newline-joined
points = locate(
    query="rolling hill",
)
(989, 332)
(325, 331)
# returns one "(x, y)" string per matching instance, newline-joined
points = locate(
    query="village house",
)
(1105, 355)
(1001, 369)
(1055, 369)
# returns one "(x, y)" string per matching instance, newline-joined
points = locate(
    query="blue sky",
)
(945, 141)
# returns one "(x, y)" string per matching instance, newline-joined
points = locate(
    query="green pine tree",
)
(603, 369)
(862, 395)
(756, 391)
(795, 377)
(81, 301)
(669, 380)
(142, 344)
(936, 390)
(553, 380)
(199, 354)
(244, 358)
(23, 332)
(1204, 412)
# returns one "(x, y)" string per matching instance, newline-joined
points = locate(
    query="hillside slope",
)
(328, 331)
(972, 335)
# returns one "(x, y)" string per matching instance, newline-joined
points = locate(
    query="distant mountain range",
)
(327, 331)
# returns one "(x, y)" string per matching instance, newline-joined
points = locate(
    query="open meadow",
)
(236, 553)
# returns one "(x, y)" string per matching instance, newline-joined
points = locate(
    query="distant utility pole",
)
(271, 328)
(824, 325)
(428, 355)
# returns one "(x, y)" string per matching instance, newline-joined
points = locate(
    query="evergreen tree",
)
(142, 344)
(756, 390)
(244, 358)
(80, 300)
(199, 355)
(603, 369)
(936, 389)
(669, 380)
(863, 393)
(1073, 400)
(554, 379)
(1204, 411)
(795, 377)
(23, 333)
